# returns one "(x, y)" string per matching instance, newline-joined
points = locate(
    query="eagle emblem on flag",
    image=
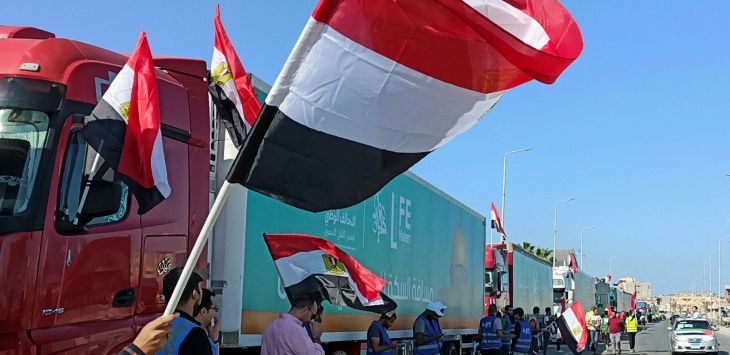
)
(333, 265)
(221, 74)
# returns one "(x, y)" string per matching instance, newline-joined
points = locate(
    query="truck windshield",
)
(22, 138)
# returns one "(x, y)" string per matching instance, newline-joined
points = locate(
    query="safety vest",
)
(507, 328)
(589, 315)
(524, 341)
(631, 324)
(433, 347)
(384, 340)
(181, 327)
(490, 337)
(213, 346)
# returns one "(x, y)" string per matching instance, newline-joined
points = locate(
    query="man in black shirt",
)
(187, 337)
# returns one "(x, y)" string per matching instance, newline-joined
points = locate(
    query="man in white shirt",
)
(695, 313)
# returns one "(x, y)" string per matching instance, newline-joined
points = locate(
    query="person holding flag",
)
(614, 328)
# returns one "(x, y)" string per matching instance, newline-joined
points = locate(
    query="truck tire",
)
(450, 349)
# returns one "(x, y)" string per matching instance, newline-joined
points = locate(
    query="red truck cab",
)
(80, 270)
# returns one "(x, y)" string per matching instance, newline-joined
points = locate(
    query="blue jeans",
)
(594, 339)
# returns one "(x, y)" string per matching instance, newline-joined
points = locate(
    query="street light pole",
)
(581, 242)
(610, 264)
(555, 227)
(504, 181)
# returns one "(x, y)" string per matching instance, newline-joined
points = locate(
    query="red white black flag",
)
(633, 301)
(230, 86)
(372, 87)
(496, 221)
(124, 128)
(309, 265)
(572, 325)
(573, 262)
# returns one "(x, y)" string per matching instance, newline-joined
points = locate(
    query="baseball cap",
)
(170, 280)
(437, 307)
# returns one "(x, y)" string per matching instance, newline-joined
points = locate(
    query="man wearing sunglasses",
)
(206, 314)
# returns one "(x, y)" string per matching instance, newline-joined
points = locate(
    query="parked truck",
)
(516, 277)
(571, 284)
(82, 278)
(620, 300)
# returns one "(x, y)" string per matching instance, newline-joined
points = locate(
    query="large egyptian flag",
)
(371, 87)
(230, 86)
(309, 265)
(572, 325)
(124, 128)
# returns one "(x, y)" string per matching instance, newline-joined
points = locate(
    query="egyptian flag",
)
(371, 87)
(633, 301)
(572, 325)
(573, 263)
(124, 128)
(230, 86)
(309, 265)
(610, 311)
(496, 221)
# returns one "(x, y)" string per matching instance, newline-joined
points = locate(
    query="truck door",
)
(89, 254)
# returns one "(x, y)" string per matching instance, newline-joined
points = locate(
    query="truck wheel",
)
(450, 349)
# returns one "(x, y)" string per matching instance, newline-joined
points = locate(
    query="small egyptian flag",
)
(230, 86)
(573, 328)
(309, 265)
(124, 128)
(496, 221)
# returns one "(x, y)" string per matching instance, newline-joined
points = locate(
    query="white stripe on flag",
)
(512, 20)
(229, 87)
(120, 90)
(389, 106)
(159, 167)
(295, 268)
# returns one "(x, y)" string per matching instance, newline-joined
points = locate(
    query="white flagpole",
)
(220, 200)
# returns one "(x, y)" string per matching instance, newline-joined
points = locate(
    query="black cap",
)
(170, 281)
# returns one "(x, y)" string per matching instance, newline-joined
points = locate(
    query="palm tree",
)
(545, 254)
(529, 247)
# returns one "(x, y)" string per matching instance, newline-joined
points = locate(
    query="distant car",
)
(693, 336)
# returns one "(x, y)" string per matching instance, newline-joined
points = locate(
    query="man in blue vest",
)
(490, 333)
(427, 330)
(507, 329)
(206, 315)
(379, 342)
(187, 337)
(523, 334)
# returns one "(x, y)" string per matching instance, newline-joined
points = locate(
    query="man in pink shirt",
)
(287, 336)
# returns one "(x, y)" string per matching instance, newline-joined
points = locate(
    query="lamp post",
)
(555, 227)
(610, 265)
(504, 181)
(581, 242)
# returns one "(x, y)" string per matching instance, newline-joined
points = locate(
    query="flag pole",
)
(215, 211)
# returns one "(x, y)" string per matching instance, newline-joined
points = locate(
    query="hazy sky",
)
(636, 129)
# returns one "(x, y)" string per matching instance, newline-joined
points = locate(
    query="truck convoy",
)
(83, 277)
(516, 277)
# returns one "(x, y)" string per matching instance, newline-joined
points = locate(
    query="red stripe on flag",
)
(450, 41)
(143, 124)
(283, 245)
(251, 105)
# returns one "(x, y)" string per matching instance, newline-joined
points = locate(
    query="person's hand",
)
(154, 335)
(214, 330)
(316, 328)
(393, 344)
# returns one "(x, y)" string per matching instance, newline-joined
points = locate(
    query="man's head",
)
(306, 307)
(536, 310)
(388, 320)
(508, 310)
(208, 308)
(694, 308)
(548, 311)
(191, 294)
(492, 310)
(519, 313)
(436, 309)
(594, 309)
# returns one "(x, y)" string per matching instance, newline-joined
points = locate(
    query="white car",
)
(693, 336)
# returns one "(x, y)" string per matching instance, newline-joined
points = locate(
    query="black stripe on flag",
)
(567, 335)
(337, 291)
(332, 172)
(227, 112)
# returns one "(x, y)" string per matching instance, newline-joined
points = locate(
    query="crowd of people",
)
(194, 328)
(512, 332)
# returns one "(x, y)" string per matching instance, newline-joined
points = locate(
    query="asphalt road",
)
(653, 340)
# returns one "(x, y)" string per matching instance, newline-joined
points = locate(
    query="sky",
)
(636, 130)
